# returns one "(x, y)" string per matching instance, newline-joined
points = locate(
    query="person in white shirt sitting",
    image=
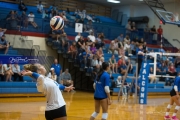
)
(2, 72)
(114, 46)
(92, 37)
(31, 20)
(77, 37)
(8, 72)
(39, 7)
(127, 48)
(52, 74)
(17, 72)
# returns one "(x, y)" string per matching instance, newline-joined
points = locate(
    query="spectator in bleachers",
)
(8, 73)
(45, 15)
(66, 78)
(12, 16)
(147, 29)
(146, 32)
(2, 72)
(145, 47)
(172, 70)
(120, 38)
(114, 46)
(73, 50)
(133, 48)
(92, 37)
(99, 41)
(94, 63)
(99, 53)
(58, 69)
(52, 8)
(93, 49)
(17, 72)
(77, 37)
(159, 32)
(89, 42)
(52, 74)
(123, 68)
(113, 64)
(80, 44)
(126, 39)
(127, 48)
(128, 28)
(154, 32)
(31, 17)
(64, 41)
(4, 45)
(22, 6)
(40, 7)
(2, 31)
(24, 19)
(177, 61)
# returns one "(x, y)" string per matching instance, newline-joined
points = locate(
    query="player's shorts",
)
(99, 98)
(57, 113)
(173, 93)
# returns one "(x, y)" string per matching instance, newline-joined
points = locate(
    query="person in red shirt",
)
(172, 70)
(160, 32)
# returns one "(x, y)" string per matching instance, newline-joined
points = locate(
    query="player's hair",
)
(104, 67)
(31, 67)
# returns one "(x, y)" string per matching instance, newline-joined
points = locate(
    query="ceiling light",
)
(140, 0)
(113, 1)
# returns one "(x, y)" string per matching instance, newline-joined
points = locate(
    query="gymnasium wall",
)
(72, 5)
(170, 31)
(35, 40)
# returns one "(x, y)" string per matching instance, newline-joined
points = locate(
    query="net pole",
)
(135, 101)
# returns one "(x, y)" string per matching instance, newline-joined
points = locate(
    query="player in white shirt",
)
(31, 19)
(56, 106)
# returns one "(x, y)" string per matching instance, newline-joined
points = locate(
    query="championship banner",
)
(144, 80)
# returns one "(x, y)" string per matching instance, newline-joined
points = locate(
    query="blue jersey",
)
(177, 83)
(57, 68)
(139, 56)
(100, 85)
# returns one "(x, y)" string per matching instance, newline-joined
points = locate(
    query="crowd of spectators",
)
(7, 71)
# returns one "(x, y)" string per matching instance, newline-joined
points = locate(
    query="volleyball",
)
(57, 23)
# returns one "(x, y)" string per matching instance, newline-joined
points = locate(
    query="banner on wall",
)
(144, 83)
(79, 28)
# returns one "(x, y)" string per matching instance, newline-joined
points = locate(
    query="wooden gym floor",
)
(80, 106)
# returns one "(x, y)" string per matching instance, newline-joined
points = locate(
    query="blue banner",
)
(144, 80)
(21, 59)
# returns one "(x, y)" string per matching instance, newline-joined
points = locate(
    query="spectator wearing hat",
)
(66, 78)
(52, 74)
(4, 45)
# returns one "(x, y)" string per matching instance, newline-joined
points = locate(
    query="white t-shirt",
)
(40, 7)
(31, 17)
(50, 88)
(1, 33)
(92, 38)
(126, 46)
(77, 38)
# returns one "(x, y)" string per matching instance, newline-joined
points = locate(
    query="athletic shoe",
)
(174, 118)
(167, 117)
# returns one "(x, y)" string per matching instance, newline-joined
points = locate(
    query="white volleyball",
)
(57, 23)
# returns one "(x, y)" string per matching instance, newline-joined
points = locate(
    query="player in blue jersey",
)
(102, 92)
(174, 99)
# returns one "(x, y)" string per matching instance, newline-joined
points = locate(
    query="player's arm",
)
(62, 87)
(106, 88)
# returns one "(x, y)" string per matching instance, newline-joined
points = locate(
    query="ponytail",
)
(103, 68)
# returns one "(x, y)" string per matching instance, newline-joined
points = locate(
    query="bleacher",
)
(110, 28)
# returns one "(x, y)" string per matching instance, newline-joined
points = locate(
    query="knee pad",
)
(177, 107)
(105, 116)
(169, 106)
(95, 114)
